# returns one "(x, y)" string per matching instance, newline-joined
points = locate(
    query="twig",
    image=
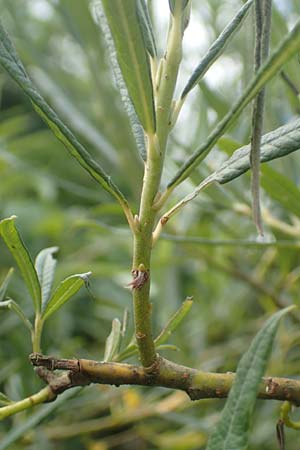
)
(197, 384)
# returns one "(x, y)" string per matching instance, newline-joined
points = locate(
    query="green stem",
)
(40, 397)
(37, 334)
(142, 246)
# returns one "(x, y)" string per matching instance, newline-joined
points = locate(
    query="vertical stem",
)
(37, 334)
(152, 175)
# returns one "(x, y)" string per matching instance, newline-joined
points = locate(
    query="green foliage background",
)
(234, 285)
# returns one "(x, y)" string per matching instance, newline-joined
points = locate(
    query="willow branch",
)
(197, 384)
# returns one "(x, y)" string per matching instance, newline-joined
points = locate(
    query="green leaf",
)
(10, 62)
(174, 322)
(12, 305)
(146, 27)
(4, 400)
(289, 46)
(216, 48)
(66, 289)
(5, 283)
(113, 341)
(45, 267)
(172, 4)
(276, 144)
(133, 58)
(231, 433)
(281, 188)
(136, 127)
(20, 253)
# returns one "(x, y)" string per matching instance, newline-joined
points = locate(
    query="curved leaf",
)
(133, 59)
(12, 305)
(277, 143)
(11, 63)
(289, 46)
(231, 433)
(217, 48)
(67, 288)
(20, 253)
(113, 341)
(45, 267)
(174, 321)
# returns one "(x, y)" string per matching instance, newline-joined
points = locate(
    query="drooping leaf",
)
(217, 48)
(20, 253)
(174, 321)
(113, 341)
(66, 289)
(231, 433)
(45, 267)
(277, 143)
(281, 188)
(133, 59)
(289, 46)
(5, 283)
(12, 305)
(263, 13)
(10, 62)
(146, 27)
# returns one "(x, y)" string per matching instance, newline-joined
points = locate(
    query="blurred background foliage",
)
(234, 284)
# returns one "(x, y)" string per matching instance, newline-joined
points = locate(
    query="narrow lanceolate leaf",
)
(231, 433)
(174, 322)
(20, 253)
(146, 27)
(263, 12)
(45, 267)
(276, 144)
(133, 58)
(285, 51)
(136, 127)
(217, 48)
(113, 341)
(5, 283)
(10, 62)
(13, 306)
(67, 288)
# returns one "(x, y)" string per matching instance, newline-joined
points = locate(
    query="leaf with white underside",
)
(217, 48)
(231, 433)
(113, 341)
(5, 283)
(133, 58)
(10, 62)
(20, 253)
(66, 289)
(289, 46)
(276, 144)
(45, 267)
